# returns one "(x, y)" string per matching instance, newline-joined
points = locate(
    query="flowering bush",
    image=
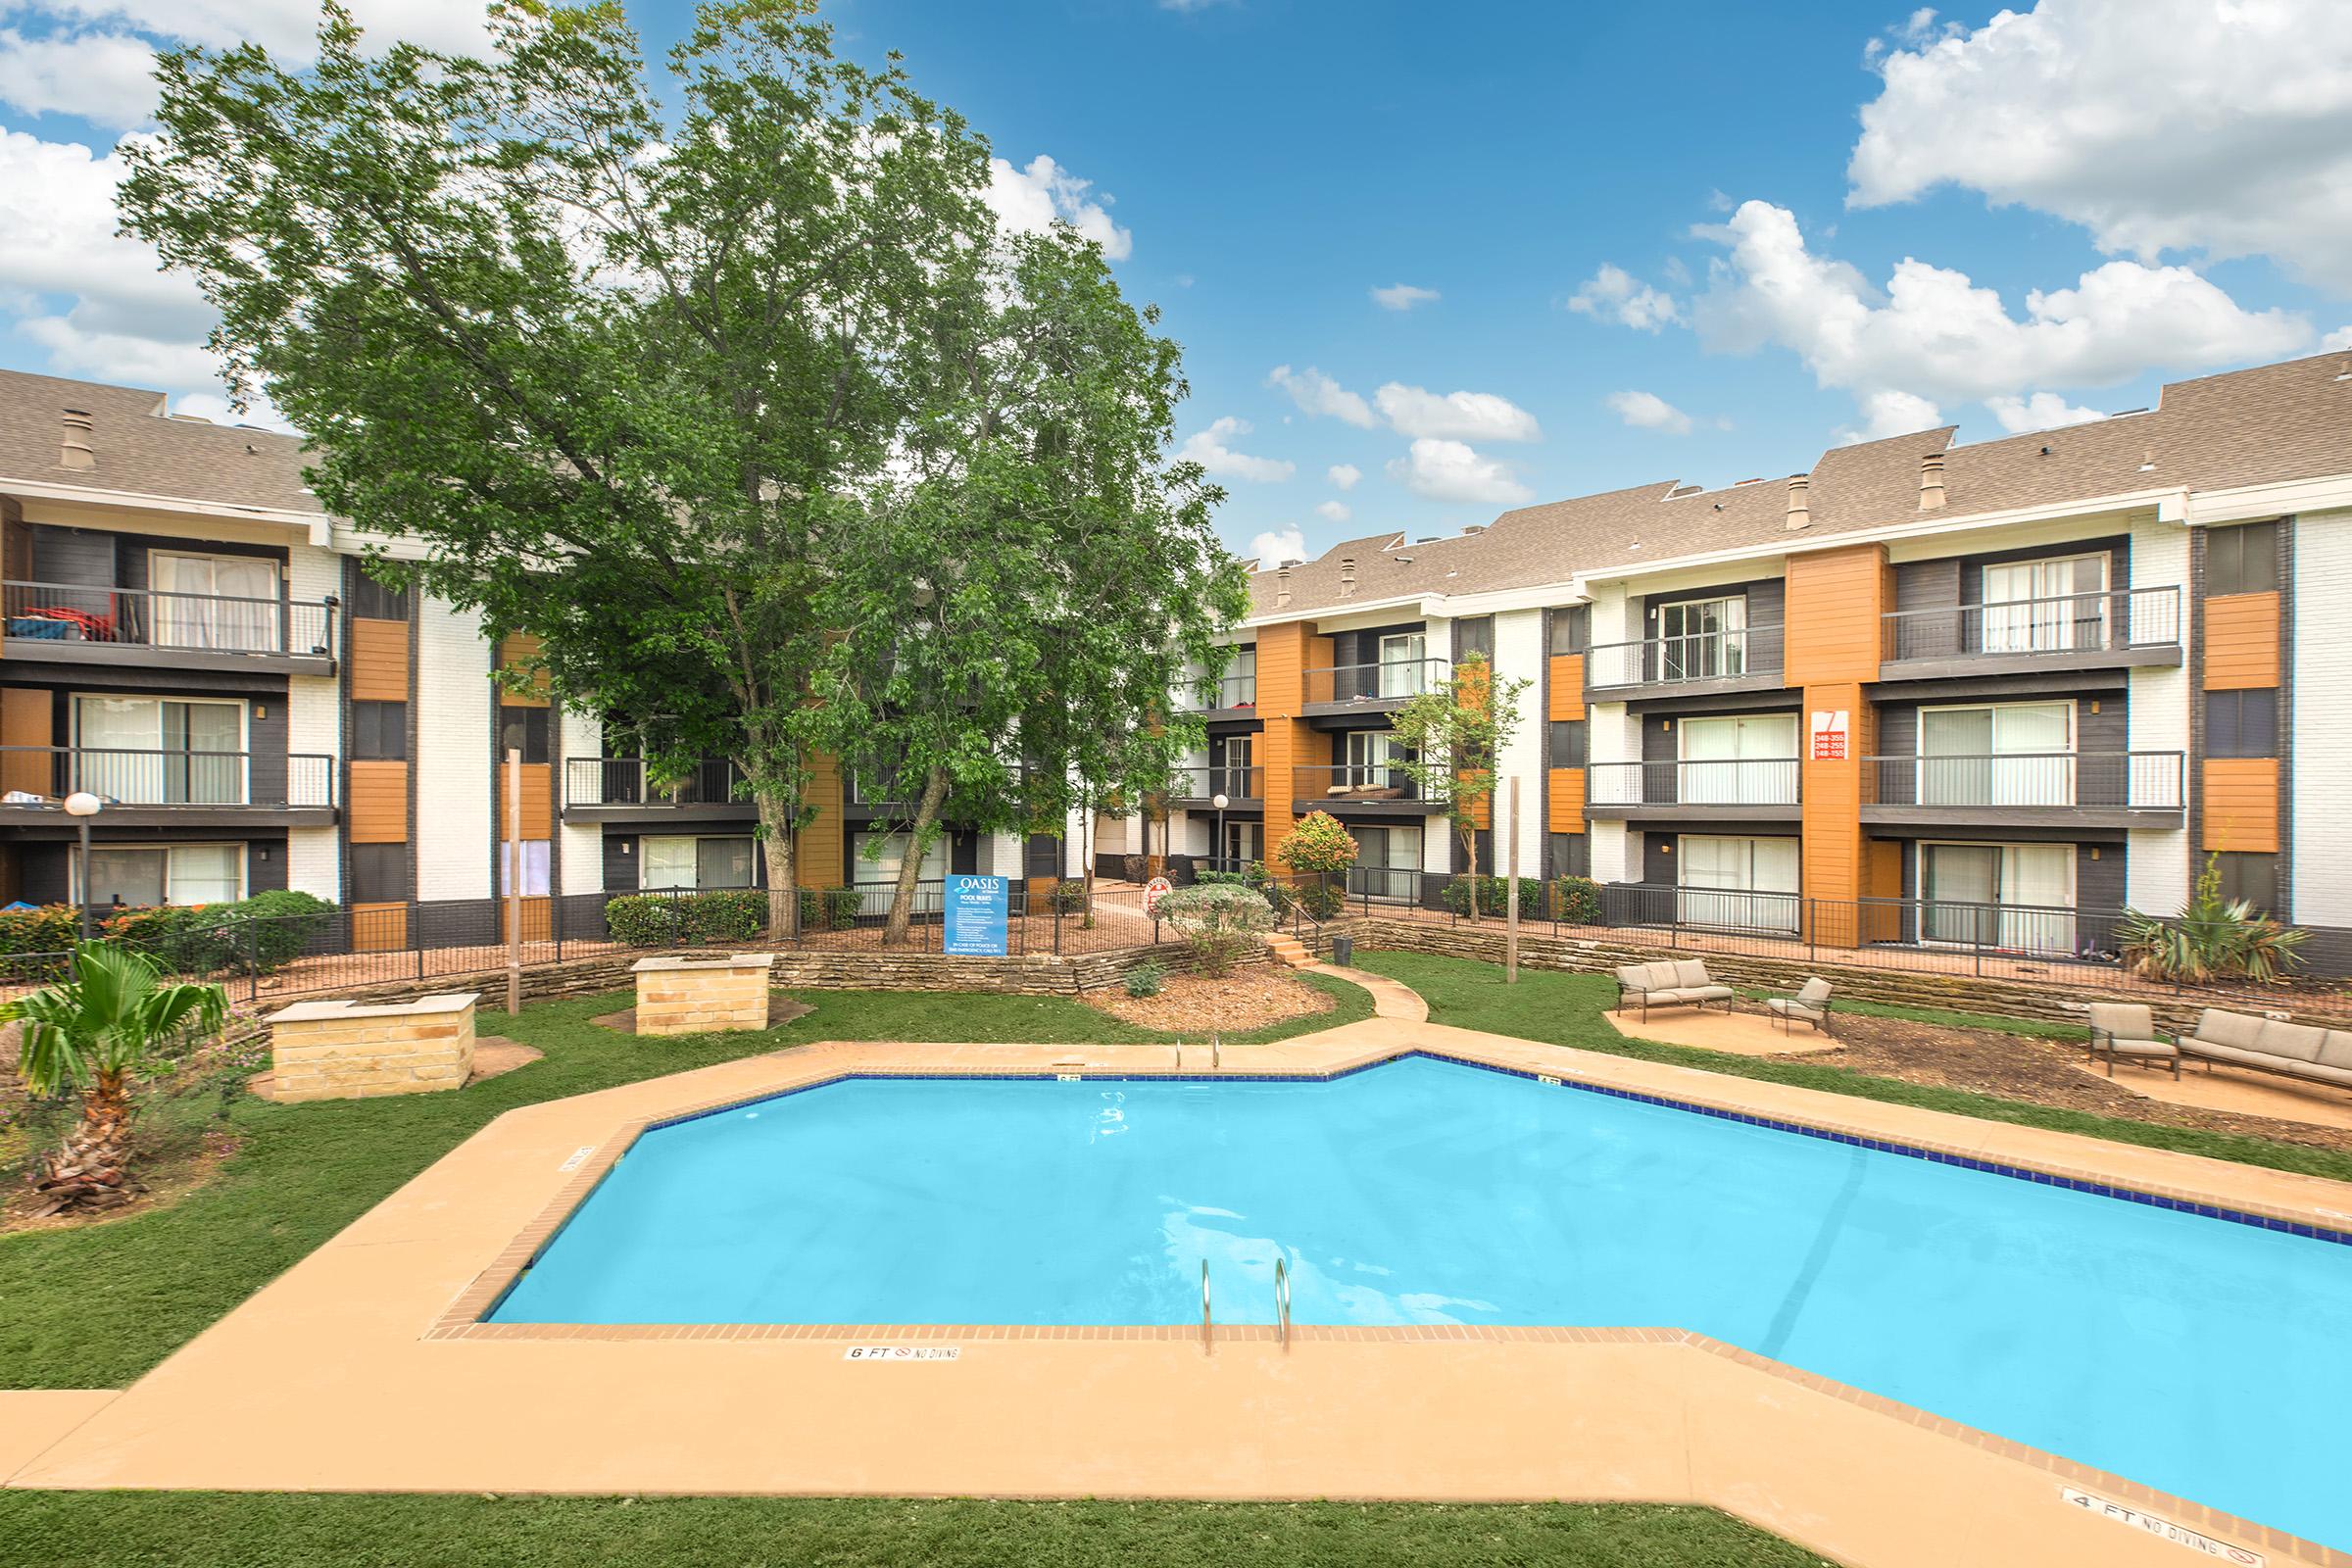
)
(1217, 920)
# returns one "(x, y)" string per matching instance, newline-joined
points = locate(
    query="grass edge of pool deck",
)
(350, 1372)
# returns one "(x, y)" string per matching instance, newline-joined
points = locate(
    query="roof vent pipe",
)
(1800, 515)
(1346, 576)
(1930, 480)
(76, 451)
(1282, 586)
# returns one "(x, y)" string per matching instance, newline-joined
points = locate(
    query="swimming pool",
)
(2205, 1357)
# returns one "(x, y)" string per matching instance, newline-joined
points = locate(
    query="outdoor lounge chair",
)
(1669, 983)
(2271, 1045)
(2125, 1031)
(1809, 1005)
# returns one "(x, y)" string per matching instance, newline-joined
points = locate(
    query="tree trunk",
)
(92, 1170)
(1469, 832)
(911, 864)
(783, 887)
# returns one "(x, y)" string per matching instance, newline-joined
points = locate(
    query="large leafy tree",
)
(1028, 578)
(618, 366)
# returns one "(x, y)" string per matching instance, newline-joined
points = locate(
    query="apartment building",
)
(185, 633)
(1991, 693)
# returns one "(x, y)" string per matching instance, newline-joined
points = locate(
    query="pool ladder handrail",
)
(1204, 1305)
(1216, 1056)
(1282, 1303)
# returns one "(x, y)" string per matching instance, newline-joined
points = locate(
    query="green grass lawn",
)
(96, 1307)
(209, 1530)
(1565, 1009)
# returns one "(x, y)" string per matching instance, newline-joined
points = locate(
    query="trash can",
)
(1342, 950)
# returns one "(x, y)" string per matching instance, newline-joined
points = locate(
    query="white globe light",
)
(1218, 802)
(81, 802)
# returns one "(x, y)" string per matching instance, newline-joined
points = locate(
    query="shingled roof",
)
(140, 450)
(2275, 422)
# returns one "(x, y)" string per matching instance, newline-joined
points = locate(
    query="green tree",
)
(1019, 593)
(1452, 733)
(92, 1034)
(617, 367)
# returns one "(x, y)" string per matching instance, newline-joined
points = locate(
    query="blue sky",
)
(1656, 242)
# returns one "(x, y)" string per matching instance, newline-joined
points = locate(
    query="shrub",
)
(1318, 845)
(829, 909)
(727, 914)
(2214, 939)
(261, 933)
(1069, 898)
(1217, 921)
(1576, 901)
(285, 923)
(1145, 978)
(50, 930)
(1134, 868)
(1492, 893)
(646, 919)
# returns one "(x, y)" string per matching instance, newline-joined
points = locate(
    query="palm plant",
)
(2214, 939)
(91, 1034)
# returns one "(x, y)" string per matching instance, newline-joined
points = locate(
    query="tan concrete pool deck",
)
(360, 1369)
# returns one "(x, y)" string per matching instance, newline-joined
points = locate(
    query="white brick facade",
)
(2319, 723)
(451, 770)
(2157, 865)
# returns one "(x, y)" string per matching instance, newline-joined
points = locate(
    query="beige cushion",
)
(1662, 975)
(1633, 976)
(2137, 1048)
(1791, 1007)
(1691, 972)
(1669, 998)
(2297, 1042)
(2337, 1051)
(1707, 992)
(2126, 1021)
(2327, 1074)
(2229, 1028)
(1815, 991)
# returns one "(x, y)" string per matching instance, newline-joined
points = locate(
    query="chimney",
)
(1282, 586)
(75, 452)
(1801, 514)
(1346, 576)
(1930, 480)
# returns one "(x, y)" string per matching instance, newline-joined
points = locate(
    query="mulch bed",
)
(781, 1010)
(1246, 999)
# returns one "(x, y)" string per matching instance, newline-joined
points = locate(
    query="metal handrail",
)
(1282, 1303)
(1204, 1303)
(1216, 1062)
(250, 623)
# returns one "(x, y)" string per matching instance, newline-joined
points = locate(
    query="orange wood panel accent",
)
(1882, 878)
(2240, 810)
(1567, 697)
(538, 920)
(26, 716)
(1564, 796)
(379, 803)
(517, 648)
(379, 927)
(379, 661)
(1284, 654)
(1836, 601)
(538, 801)
(818, 852)
(2242, 642)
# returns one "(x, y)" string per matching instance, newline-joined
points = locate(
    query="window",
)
(1475, 635)
(2241, 723)
(2242, 560)
(380, 873)
(2251, 877)
(370, 599)
(1403, 664)
(1744, 760)
(2015, 896)
(875, 860)
(1571, 854)
(214, 601)
(2034, 607)
(2013, 754)
(1388, 863)
(1570, 628)
(1567, 742)
(687, 861)
(178, 874)
(1745, 884)
(536, 860)
(150, 750)
(1371, 754)
(1702, 637)
(379, 732)
(524, 728)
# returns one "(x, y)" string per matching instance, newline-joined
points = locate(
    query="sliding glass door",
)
(2017, 897)
(147, 751)
(2032, 607)
(1744, 760)
(1737, 883)
(2014, 754)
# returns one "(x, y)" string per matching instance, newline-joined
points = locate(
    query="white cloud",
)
(106, 77)
(1933, 335)
(1887, 413)
(1343, 475)
(1208, 449)
(1319, 394)
(2340, 338)
(1276, 546)
(1334, 512)
(2044, 410)
(1402, 296)
(2250, 152)
(1032, 199)
(1458, 415)
(1450, 470)
(1646, 410)
(1614, 294)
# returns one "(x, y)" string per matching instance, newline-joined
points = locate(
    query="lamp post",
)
(81, 805)
(1219, 802)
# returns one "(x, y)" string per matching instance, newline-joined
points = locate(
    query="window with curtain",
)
(1404, 664)
(2013, 896)
(2033, 607)
(178, 874)
(1703, 638)
(153, 750)
(666, 862)
(537, 862)
(1740, 883)
(214, 601)
(876, 857)
(2007, 753)
(1742, 759)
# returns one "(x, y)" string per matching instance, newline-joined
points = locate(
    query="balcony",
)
(2039, 788)
(1242, 786)
(1745, 659)
(1369, 691)
(1756, 788)
(63, 623)
(619, 789)
(2122, 626)
(169, 788)
(1369, 788)
(1222, 698)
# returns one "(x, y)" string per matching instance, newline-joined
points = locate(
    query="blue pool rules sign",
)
(975, 916)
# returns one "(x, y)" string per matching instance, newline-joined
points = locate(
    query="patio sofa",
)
(2269, 1045)
(1669, 983)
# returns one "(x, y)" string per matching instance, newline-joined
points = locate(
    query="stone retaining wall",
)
(343, 1050)
(699, 995)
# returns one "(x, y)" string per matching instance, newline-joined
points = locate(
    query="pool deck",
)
(361, 1368)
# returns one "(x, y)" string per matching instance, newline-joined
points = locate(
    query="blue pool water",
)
(2205, 1357)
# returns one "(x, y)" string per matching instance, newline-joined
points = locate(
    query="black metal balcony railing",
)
(51, 611)
(1310, 786)
(2112, 620)
(1235, 783)
(2112, 780)
(1727, 782)
(178, 778)
(1225, 692)
(624, 781)
(1391, 680)
(1752, 650)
